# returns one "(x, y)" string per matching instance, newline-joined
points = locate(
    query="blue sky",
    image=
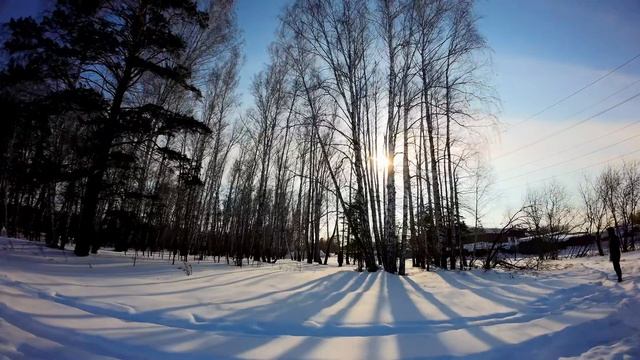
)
(592, 34)
(575, 31)
(541, 51)
(588, 33)
(258, 21)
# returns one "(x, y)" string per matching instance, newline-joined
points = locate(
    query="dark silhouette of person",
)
(614, 251)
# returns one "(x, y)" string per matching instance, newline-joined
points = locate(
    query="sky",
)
(541, 52)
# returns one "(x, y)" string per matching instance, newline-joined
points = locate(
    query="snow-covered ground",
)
(57, 306)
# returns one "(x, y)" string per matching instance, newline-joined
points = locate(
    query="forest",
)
(319, 179)
(365, 138)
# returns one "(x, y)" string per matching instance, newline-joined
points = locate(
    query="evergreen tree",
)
(85, 60)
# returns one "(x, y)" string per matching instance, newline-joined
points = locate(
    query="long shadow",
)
(486, 291)
(583, 296)
(569, 342)
(365, 285)
(400, 304)
(495, 278)
(538, 304)
(327, 291)
(260, 320)
(297, 307)
(477, 332)
(396, 298)
(302, 286)
(393, 295)
(95, 344)
(311, 340)
(318, 294)
(152, 273)
(184, 291)
(466, 280)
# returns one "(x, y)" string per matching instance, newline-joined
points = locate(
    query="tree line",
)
(124, 128)
(612, 199)
(548, 215)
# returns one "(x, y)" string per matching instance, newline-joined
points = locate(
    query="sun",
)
(381, 161)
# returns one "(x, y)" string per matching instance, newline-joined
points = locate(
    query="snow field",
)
(57, 306)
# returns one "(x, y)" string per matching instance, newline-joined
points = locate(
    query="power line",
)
(597, 80)
(605, 99)
(576, 170)
(585, 142)
(574, 158)
(568, 127)
(605, 161)
(600, 136)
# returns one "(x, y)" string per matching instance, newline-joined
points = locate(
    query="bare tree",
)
(609, 185)
(550, 218)
(594, 210)
(338, 35)
(629, 201)
(513, 220)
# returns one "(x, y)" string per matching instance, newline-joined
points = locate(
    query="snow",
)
(480, 245)
(57, 306)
